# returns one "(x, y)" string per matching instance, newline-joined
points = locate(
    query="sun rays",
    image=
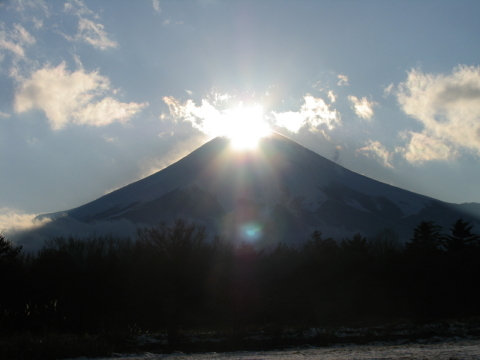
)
(245, 126)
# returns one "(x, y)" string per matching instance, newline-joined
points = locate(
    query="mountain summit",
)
(281, 191)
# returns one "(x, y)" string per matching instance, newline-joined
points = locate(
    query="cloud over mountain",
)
(314, 112)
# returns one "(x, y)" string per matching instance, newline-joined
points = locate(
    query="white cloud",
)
(378, 151)
(156, 5)
(89, 31)
(106, 111)
(363, 108)
(343, 80)
(11, 221)
(448, 106)
(291, 120)
(214, 116)
(422, 147)
(15, 40)
(24, 230)
(218, 115)
(4, 115)
(75, 97)
(313, 113)
(206, 117)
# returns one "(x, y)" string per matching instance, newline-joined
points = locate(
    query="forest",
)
(174, 278)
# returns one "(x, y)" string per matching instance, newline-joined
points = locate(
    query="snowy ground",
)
(451, 349)
(446, 341)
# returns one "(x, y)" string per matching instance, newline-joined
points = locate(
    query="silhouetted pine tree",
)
(11, 283)
(324, 247)
(8, 251)
(385, 243)
(461, 236)
(427, 237)
(358, 246)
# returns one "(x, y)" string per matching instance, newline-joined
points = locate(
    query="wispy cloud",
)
(4, 115)
(313, 113)
(75, 97)
(89, 31)
(448, 106)
(23, 5)
(343, 80)
(362, 107)
(37, 23)
(110, 139)
(180, 149)
(22, 35)
(388, 90)
(332, 96)
(156, 5)
(34, 11)
(15, 40)
(376, 150)
(78, 8)
(93, 34)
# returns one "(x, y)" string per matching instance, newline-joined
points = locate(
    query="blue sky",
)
(97, 94)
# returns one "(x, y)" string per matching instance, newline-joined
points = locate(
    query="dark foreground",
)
(460, 339)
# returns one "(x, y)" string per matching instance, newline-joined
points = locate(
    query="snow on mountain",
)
(280, 191)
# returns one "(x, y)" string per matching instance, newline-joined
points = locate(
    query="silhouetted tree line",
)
(176, 277)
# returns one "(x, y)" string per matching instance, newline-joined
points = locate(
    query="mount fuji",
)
(281, 191)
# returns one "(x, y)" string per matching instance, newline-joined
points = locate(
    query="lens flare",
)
(251, 231)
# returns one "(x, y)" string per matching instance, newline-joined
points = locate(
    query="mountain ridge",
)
(280, 181)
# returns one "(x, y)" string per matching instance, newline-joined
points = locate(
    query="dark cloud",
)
(336, 154)
(459, 92)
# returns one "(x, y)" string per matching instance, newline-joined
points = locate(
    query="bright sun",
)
(246, 127)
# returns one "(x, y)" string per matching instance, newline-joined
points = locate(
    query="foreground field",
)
(451, 349)
(452, 340)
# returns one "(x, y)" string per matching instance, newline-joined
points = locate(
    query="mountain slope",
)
(279, 192)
